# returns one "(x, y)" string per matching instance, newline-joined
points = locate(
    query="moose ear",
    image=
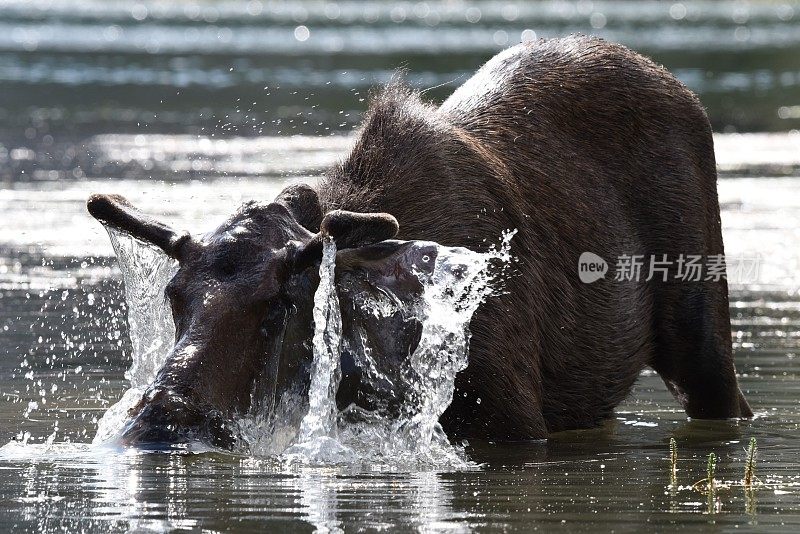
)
(303, 203)
(115, 211)
(353, 230)
(348, 230)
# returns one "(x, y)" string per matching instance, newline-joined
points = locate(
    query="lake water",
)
(186, 109)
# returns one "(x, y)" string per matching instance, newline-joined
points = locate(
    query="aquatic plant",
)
(750, 502)
(750, 465)
(673, 461)
(711, 469)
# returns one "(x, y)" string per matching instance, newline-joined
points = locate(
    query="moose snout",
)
(164, 419)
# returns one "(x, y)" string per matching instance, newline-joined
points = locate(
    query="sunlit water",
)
(64, 342)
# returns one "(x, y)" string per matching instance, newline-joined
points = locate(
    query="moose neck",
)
(411, 161)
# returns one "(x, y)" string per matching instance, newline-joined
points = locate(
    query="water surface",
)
(189, 108)
(64, 349)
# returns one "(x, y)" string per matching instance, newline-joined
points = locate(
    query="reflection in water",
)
(73, 487)
(432, 504)
(132, 491)
(421, 500)
(319, 499)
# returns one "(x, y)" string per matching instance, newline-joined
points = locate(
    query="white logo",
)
(591, 267)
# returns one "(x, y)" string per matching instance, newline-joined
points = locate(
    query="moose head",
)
(242, 303)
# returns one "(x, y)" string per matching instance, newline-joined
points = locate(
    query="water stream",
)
(317, 436)
(146, 271)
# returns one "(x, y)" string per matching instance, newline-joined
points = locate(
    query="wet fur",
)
(581, 145)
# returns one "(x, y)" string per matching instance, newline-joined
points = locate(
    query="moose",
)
(578, 144)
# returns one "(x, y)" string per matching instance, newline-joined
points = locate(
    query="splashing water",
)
(317, 436)
(327, 338)
(146, 271)
(459, 282)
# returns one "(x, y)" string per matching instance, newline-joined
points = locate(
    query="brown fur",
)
(581, 145)
(578, 144)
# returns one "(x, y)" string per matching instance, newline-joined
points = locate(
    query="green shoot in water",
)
(673, 461)
(750, 466)
(711, 469)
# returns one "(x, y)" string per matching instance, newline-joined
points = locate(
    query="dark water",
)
(186, 108)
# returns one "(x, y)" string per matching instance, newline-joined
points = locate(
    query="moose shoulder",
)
(580, 145)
